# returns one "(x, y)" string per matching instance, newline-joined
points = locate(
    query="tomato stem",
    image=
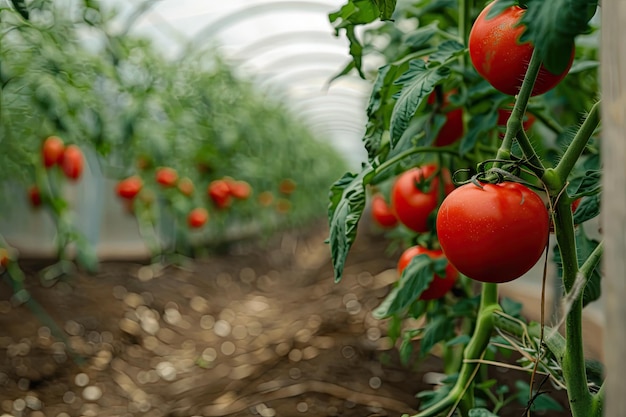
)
(474, 350)
(578, 144)
(514, 124)
(573, 364)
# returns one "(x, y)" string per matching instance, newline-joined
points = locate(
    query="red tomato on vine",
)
(415, 195)
(239, 189)
(382, 214)
(166, 176)
(499, 57)
(439, 286)
(128, 188)
(197, 217)
(73, 162)
(219, 192)
(495, 233)
(52, 151)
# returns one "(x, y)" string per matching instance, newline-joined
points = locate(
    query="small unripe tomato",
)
(287, 186)
(185, 186)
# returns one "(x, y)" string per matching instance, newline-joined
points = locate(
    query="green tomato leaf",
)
(438, 329)
(419, 38)
(347, 201)
(479, 126)
(445, 51)
(587, 183)
(415, 278)
(417, 83)
(511, 307)
(551, 27)
(588, 209)
(462, 339)
(481, 412)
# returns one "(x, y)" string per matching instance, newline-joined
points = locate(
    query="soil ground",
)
(259, 330)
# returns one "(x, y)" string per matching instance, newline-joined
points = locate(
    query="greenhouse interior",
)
(312, 208)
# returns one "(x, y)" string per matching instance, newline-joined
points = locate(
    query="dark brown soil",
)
(262, 330)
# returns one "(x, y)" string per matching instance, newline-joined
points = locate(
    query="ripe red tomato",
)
(73, 162)
(239, 189)
(495, 233)
(185, 186)
(498, 56)
(411, 205)
(34, 196)
(52, 151)
(452, 129)
(439, 286)
(219, 192)
(503, 117)
(166, 176)
(197, 217)
(382, 213)
(129, 188)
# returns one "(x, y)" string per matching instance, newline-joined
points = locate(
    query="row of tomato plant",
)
(196, 154)
(477, 152)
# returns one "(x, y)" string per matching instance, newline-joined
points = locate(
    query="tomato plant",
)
(493, 232)
(493, 228)
(166, 176)
(197, 217)
(128, 188)
(52, 151)
(441, 284)
(73, 162)
(382, 214)
(501, 58)
(416, 193)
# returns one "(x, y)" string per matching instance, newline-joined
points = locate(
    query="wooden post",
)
(613, 217)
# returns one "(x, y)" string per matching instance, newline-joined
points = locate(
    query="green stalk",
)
(418, 149)
(474, 350)
(576, 148)
(514, 124)
(573, 363)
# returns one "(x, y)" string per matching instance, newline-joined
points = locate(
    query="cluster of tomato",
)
(220, 192)
(68, 158)
(488, 232)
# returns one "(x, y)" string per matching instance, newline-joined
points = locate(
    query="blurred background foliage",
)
(70, 69)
